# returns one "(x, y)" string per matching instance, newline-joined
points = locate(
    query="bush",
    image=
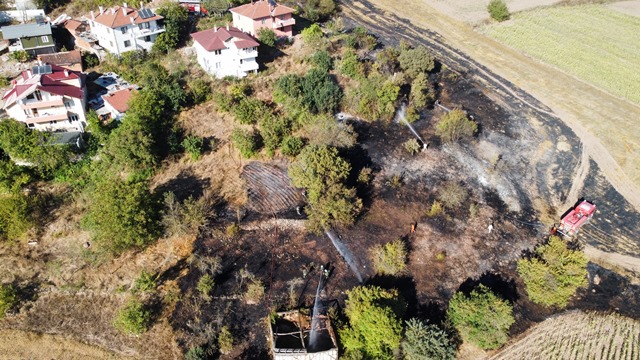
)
(133, 318)
(318, 10)
(145, 282)
(426, 342)
(312, 35)
(422, 92)
(255, 292)
(225, 340)
(375, 98)
(199, 91)
(481, 318)
(205, 286)
(320, 92)
(351, 66)
(20, 56)
(454, 126)
(412, 146)
(245, 141)
(273, 129)
(322, 60)
(193, 145)
(12, 176)
(195, 353)
(374, 329)
(436, 210)
(498, 10)
(452, 195)
(390, 258)
(186, 218)
(554, 274)
(267, 37)
(249, 110)
(325, 130)
(232, 230)
(176, 20)
(416, 61)
(291, 145)
(8, 299)
(122, 215)
(15, 216)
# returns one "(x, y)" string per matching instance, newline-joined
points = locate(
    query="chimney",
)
(227, 27)
(66, 73)
(215, 29)
(101, 9)
(133, 21)
(124, 9)
(93, 17)
(125, 4)
(141, 5)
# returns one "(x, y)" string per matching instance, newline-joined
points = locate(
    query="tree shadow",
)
(406, 288)
(186, 184)
(500, 286)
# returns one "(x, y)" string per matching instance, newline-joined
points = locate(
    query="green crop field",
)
(577, 335)
(596, 44)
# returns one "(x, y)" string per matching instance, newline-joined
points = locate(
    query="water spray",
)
(400, 117)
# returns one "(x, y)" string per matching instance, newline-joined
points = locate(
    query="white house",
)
(48, 98)
(226, 52)
(117, 102)
(260, 14)
(121, 28)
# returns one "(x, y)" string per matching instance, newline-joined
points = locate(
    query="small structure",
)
(264, 14)
(290, 337)
(35, 38)
(117, 102)
(83, 39)
(121, 28)
(578, 216)
(193, 6)
(226, 52)
(71, 60)
(48, 98)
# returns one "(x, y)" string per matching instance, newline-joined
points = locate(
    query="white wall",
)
(20, 15)
(113, 40)
(229, 61)
(76, 106)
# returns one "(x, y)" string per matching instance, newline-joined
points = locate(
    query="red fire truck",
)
(578, 216)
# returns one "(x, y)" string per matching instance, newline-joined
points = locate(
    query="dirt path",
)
(604, 123)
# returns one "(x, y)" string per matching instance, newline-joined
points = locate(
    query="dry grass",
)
(592, 42)
(16, 344)
(578, 335)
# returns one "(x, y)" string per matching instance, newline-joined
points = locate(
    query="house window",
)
(241, 61)
(38, 95)
(217, 52)
(111, 43)
(32, 125)
(218, 65)
(123, 29)
(147, 38)
(144, 26)
(109, 30)
(127, 43)
(45, 39)
(68, 104)
(282, 17)
(26, 112)
(73, 117)
(264, 21)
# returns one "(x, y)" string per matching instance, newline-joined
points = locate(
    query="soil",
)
(631, 7)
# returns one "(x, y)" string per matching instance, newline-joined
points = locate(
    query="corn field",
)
(577, 335)
(598, 45)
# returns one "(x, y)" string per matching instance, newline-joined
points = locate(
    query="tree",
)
(415, 61)
(130, 147)
(422, 92)
(8, 299)
(323, 173)
(205, 286)
(390, 258)
(318, 10)
(291, 145)
(375, 98)
(122, 215)
(267, 37)
(481, 318)
(312, 35)
(351, 66)
(554, 274)
(193, 145)
(273, 129)
(387, 60)
(225, 340)
(12, 176)
(374, 328)
(15, 216)
(176, 21)
(498, 10)
(424, 341)
(320, 92)
(322, 60)
(454, 126)
(134, 318)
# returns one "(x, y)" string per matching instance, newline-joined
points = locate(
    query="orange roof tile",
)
(260, 9)
(116, 17)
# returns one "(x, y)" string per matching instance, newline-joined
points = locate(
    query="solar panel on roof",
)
(272, 3)
(145, 13)
(41, 70)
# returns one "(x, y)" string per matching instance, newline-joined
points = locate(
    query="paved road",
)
(595, 116)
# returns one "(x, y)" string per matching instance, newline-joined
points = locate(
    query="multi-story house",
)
(226, 52)
(48, 98)
(264, 14)
(121, 28)
(33, 38)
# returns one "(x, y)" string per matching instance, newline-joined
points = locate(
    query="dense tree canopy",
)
(416, 61)
(176, 21)
(554, 274)
(375, 329)
(481, 318)
(424, 341)
(455, 126)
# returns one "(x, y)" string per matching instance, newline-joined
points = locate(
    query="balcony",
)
(247, 53)
(248, 66)
(282, 23)
(37, 104)
(46, 118)
(148, 32)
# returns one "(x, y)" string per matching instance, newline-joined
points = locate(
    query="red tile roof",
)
(119, 100)
(62, 58)
(260, 9)
(214, 39)
(115, 17)
(72, 25)
(54, 83)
